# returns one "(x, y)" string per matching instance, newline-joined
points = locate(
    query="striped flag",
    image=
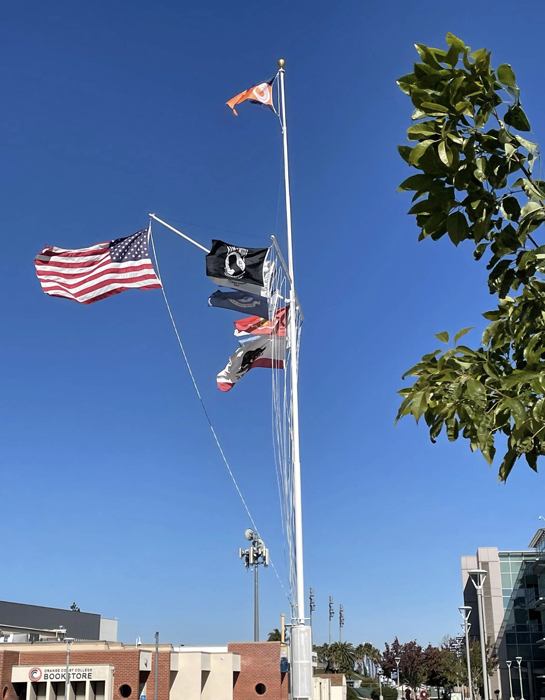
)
(89, 274)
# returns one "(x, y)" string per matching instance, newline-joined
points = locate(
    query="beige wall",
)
(196, 675)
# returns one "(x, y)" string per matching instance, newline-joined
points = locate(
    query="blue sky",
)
(113, 493)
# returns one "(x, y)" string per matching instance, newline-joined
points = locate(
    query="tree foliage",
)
(412, 665)
(476, 184)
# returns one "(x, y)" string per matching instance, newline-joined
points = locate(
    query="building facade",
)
(513, 609)
(37, 622)
(114, 671)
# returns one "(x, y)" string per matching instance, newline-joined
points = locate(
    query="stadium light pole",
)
(331, 616)
(508, 663)
(465, 610)
(478, 577)
(519, 661)
(68, 641)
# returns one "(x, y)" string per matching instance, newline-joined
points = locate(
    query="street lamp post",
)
(478, 577)
(510, 681)
(519, 661)
(68, 641)
(397, 660)
(380, 687)
(465, 610)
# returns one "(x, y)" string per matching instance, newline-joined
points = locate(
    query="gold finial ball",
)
(281, 63)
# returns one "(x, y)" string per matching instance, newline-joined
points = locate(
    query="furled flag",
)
(258, 94)
(89, 274)
(267, 351)
(246, 269)
(240, 301)
(255, 325)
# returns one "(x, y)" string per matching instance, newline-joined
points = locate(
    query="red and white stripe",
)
(89, 274)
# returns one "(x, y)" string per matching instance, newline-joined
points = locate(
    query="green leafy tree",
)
(476, 184)
(342, 657)
(275, 635)
(477, 666)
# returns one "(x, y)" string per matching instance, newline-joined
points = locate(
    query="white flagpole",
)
(300, 595)
(152, 216)
(301, 643)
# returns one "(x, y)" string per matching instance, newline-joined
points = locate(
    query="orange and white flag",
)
(258, 94)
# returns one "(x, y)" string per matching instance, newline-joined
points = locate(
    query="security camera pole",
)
(256, 554)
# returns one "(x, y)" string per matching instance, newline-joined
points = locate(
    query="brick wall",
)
(8, 659)
(259, 664)
(125, 662)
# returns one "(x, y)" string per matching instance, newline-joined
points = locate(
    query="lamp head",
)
(508, 664)
(69, 640)
(397, 659)
(519, 660)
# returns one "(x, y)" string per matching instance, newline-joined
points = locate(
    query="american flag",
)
(89, 274)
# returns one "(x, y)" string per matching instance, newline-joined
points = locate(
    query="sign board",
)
(42, 674)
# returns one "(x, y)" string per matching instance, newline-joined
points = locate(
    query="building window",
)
(125, 690)
(261, 688)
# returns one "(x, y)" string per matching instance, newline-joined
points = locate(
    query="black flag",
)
(240, 268)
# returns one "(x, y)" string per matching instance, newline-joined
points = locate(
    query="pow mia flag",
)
(246, 269)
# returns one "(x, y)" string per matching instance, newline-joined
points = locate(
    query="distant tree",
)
(324, 655)
(412, 666)
(342, 657)
(275, 635)
(477, 667)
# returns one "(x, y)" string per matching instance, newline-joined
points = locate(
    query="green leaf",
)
(507, 464)
(462, 333)
(532, 210)
(476, 390)
(516, 118)
(528, 145)
(418, 151)
(538, 410)
(419, 404)
(458, 44)
(517, 410)
(404, 152)
(506, 75)
(511, 208)
(428, 128)
(443, 336)
(419, 182)
(433, 107)
(406, 82)
(445, 153)
(457, 227)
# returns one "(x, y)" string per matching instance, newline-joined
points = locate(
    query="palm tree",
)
(342, 656)
(275, 635)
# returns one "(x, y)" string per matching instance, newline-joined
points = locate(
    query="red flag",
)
(255, 325)
(258, 94)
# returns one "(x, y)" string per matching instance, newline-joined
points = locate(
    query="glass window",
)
(505, 567)
(511, 638)
(523, 638)
(506, 581)
(512, 651)
(521, 616)
(525, 650)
